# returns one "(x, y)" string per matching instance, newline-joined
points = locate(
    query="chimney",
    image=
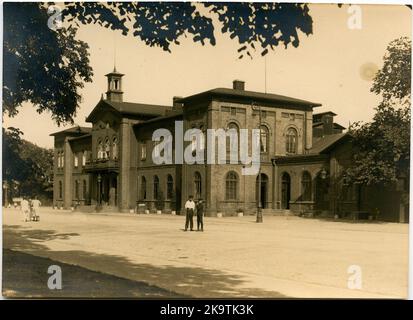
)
(327, 120)
(175, 104)
(238, 85)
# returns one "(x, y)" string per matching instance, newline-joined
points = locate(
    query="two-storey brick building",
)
(109, 165)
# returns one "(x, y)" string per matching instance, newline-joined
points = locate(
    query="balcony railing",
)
(102, 164)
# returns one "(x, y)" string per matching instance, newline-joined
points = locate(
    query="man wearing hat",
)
(200, 214)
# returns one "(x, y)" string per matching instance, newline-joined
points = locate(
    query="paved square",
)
(234, 257)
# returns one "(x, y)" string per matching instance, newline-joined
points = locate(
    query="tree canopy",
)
(48, 67)
(27, 168)
(382, 146)
(41, 66)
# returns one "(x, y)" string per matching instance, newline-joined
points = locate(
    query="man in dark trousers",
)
(200, 214)
(190, 208)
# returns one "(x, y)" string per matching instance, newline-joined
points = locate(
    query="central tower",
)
(114, 92)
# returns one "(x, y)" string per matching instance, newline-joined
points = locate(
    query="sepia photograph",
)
(205, 150)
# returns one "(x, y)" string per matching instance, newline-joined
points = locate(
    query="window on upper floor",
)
(76, 160)
(84, 156)
(264, 141)
(100, 150)
(59, 160)
(232, 140)
(143, 150)
(106, 154)
(115, 148)
(291, 141)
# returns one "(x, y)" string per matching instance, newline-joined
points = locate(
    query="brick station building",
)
(109, 166)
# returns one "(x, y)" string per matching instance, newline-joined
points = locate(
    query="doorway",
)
(285, 191)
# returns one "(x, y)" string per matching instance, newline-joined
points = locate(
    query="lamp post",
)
(259, 205)
(99, 188)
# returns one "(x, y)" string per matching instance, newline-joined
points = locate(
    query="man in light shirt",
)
(24, 204)
(190, 208)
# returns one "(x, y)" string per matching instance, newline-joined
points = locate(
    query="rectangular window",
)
(84, 158)
(143, 150)
(76, 161)
(233, 111)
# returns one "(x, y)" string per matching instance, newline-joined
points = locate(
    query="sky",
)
(334, 66)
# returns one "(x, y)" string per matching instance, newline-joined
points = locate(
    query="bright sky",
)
(333, 67)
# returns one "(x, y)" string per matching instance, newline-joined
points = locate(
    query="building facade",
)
(109, 165)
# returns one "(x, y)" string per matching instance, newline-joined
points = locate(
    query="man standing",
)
(200, 215)
(189, 207)
(36, 208)
(24, 205)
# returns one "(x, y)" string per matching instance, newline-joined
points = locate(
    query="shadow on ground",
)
(164, 281)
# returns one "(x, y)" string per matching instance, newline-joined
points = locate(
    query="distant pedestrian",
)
(190, 208)
(200, 214)
(36, 208)
(25, 208)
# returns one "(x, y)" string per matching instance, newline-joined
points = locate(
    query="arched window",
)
(231, 186)
(155, 187)
(169, 187)
(60, 189)
(203, 138)
(291, 141)
(84, 155)
(306, 186)
(76, 160)
(264, 142)
(107, 149)
(59, 160)
(84, 194)
(233, 142)
(197, 185)
(100, 150)
(143, 188)
(115, 148)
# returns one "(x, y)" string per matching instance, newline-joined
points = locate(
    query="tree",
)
(26, 165)
(48, 67)
(41, 66)
(382, 147)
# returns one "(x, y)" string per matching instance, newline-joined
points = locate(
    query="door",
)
(285, 191)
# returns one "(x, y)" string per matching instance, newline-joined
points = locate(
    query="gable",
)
(99, 110)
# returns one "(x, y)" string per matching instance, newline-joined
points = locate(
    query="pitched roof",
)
(249, 96)
(335, 125)
(73, 131)
(138, 108)
(88, 135)
(169, 115)
(316, 115)
(131, 108)
(326, 142)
